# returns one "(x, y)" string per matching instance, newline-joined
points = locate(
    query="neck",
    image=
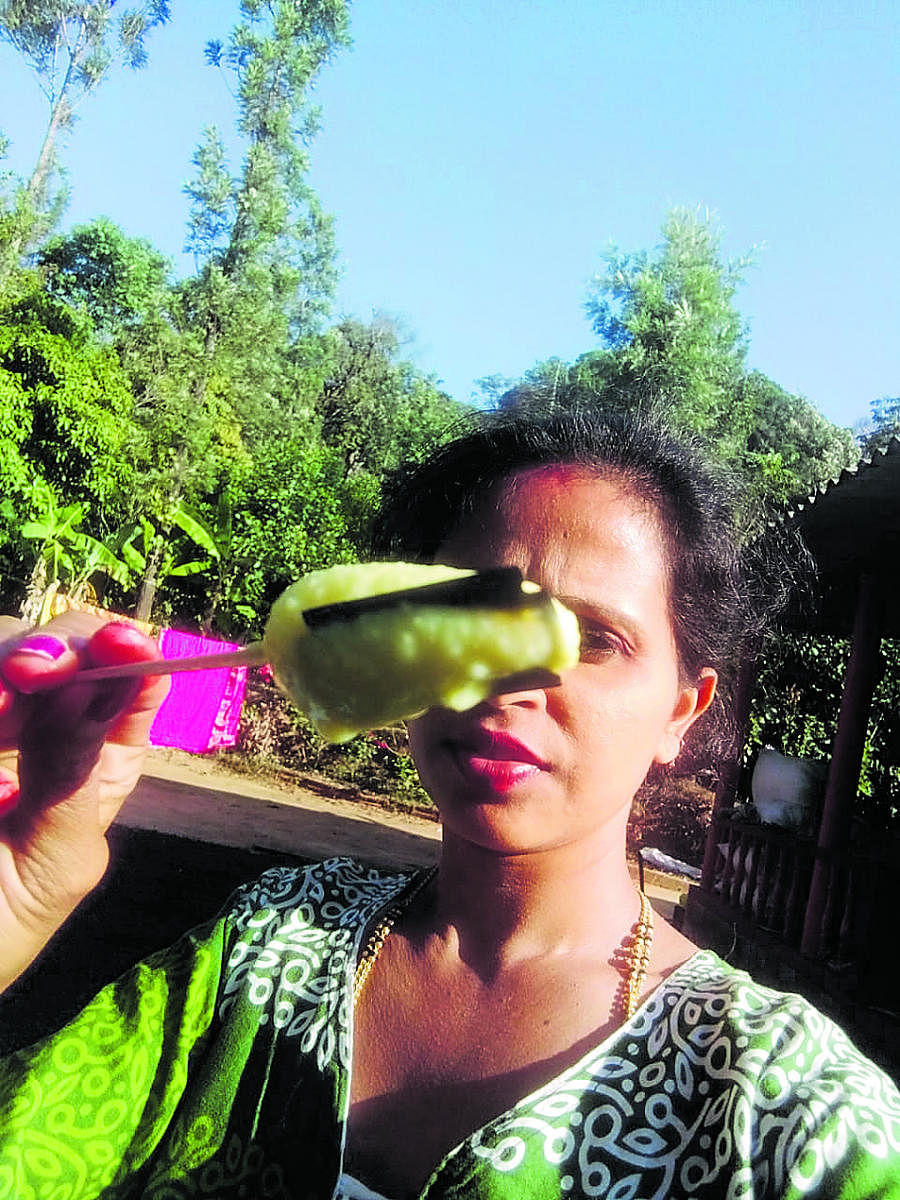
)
(504, 909)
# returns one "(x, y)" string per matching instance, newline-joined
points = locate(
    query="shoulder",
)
(716, 1086)
(292, 935)
(793, 1078)
(335, 894)
(729, 1022)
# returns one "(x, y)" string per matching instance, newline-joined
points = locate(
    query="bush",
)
(274, 735)
(672, 814)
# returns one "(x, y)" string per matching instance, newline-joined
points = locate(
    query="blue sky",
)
(479, 157)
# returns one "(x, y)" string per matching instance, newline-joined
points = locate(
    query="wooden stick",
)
(249, 656)
(498, 587)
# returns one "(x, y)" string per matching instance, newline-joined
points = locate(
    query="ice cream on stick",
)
(359, 646)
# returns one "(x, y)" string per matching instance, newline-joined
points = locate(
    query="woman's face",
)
(537, 769)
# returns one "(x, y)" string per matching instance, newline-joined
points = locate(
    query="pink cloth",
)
(203, 708)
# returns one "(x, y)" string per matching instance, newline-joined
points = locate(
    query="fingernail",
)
(9, 796)
(43, 645)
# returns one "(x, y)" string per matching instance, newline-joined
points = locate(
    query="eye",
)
(598, 641)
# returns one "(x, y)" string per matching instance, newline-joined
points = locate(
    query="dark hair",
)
(720, 603)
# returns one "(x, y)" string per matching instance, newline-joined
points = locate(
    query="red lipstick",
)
(497, 759)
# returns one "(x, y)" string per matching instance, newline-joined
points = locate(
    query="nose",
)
(539, 678)
(524, 688)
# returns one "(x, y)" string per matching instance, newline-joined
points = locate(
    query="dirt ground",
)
(191, 833)
(195, 797)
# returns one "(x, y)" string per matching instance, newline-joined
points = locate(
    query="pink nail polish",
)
(9, 796)
(44, 646)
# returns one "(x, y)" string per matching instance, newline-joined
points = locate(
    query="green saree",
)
(220, 1068)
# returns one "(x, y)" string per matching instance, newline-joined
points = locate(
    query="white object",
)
(665, 862)
(786, 790)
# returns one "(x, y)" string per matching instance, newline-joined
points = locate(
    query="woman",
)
(517, 1025)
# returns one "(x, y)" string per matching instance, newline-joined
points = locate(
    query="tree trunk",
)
(150, 582)
(34, 194)
(34, 592)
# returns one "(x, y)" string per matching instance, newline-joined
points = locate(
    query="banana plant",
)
(67, 557)
(149, 553)
(228, 595)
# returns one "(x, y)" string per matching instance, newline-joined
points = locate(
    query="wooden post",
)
(726, 788)
(846, 758)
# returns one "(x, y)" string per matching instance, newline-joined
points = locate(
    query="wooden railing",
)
(763, 872)
(762, 875)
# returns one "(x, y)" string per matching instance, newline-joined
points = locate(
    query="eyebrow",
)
(590, 609)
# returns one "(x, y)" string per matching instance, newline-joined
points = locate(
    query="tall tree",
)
(264, 253)
(264, 247)
(670, 328)
(673, 336)
(71, 46)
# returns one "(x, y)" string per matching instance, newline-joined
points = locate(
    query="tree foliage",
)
(119, 281)
(69, 401)
(260, 237)
(373, 409)
(791, 447)
(71, 47)
(670, 326)
(673, 338)
(285, 512)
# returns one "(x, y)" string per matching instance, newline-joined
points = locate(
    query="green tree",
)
(68, 401)
(556, 384)
(120, 281)
(65, 430)
(286, 512)
(669, 326)
(674, 339)
(71, 48)
(373, 409)
(791, 447)
(263, 246)
(211, 384)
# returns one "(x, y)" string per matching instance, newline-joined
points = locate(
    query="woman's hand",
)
(80, 751)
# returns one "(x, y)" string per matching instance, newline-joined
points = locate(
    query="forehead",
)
(557, 505)
(571, 529)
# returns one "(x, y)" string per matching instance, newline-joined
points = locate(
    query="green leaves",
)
(796, 703)
(373, 409)
(672, 337)
(119, 281)
(152, 539)
(71, 46)
(264, 229)
(197, 530)
(669, 321)
(69, 404)
(69, 555)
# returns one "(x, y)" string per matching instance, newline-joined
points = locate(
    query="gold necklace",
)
(637, 960)
(638, 957)
(379, 934)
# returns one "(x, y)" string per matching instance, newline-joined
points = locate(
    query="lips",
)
(497, 759)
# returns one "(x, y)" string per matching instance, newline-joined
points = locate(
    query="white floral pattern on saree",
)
(221, 1068)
